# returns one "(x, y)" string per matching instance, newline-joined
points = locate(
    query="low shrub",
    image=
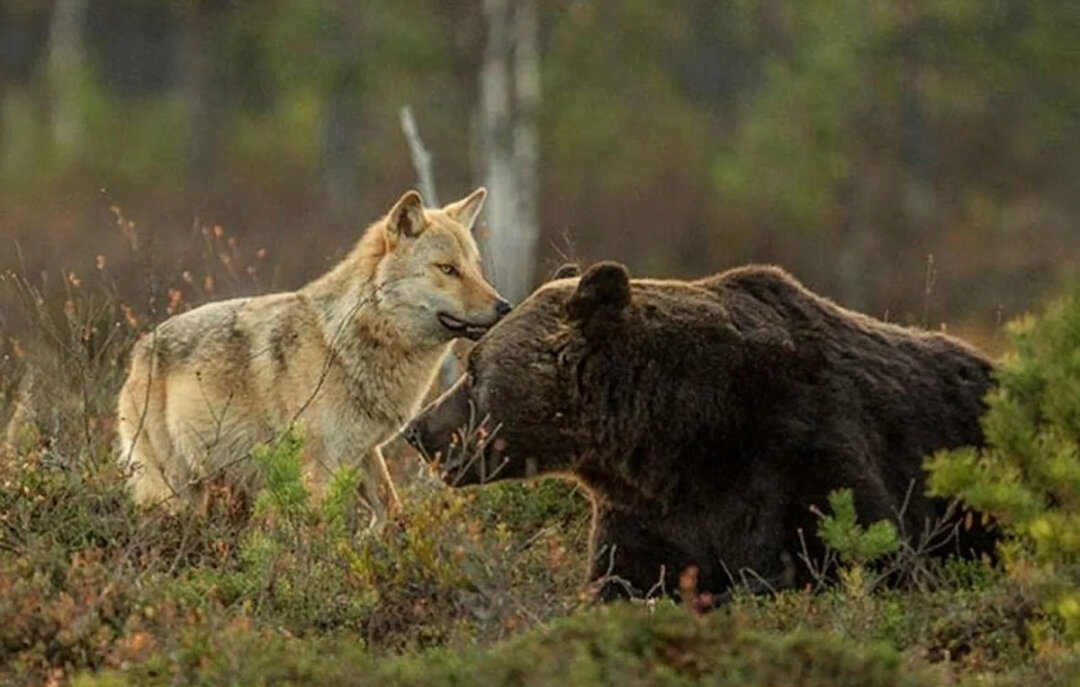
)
(85, 573)
(620, 644)
(1028, 475)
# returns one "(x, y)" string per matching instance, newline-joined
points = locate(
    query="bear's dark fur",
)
(707, 418)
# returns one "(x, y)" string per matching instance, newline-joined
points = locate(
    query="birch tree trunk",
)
(66, 71)
(509, 99)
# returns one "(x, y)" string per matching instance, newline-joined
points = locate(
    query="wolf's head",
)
(430, 275)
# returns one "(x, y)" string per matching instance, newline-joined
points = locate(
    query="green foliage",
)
(280, 465)
(523, 506)
(340, 506)
(856, 545)
(977, 631)
(1028, 476)
(315, 565)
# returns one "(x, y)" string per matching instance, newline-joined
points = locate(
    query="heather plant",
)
(620, 645)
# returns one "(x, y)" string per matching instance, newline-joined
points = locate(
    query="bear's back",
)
(870, 393)
(846, 340)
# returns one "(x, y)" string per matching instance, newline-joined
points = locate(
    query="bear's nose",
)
(411, 434)
(502, 306)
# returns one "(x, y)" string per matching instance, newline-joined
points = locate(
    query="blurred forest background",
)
(916, 159)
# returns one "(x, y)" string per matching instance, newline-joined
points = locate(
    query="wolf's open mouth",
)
(469, 330)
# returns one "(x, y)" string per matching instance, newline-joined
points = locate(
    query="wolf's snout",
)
(473, 329)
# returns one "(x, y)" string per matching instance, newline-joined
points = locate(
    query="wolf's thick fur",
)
(347, 358)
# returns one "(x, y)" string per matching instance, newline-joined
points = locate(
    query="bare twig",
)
(421, 157)
(609, 576)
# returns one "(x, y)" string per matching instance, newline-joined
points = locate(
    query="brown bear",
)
(708, 418)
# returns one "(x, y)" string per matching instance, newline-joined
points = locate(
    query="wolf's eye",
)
(448, 269)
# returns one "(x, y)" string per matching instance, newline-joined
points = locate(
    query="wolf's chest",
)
(382, 394)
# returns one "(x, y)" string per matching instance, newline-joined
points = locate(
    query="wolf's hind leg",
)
(145, 449)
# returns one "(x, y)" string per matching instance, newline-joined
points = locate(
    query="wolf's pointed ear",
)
(406, 218)
(565, 271)
(604, 288)
(466, 210)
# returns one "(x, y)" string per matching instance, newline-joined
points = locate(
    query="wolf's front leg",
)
(379, 491)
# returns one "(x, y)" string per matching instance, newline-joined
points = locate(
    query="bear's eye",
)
(448, 269)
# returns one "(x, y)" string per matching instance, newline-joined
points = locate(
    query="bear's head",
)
(582, 367)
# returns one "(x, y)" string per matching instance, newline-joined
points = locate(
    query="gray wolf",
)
(346, 360)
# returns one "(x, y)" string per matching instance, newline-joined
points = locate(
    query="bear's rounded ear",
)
(605, 287)
(565, 271)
